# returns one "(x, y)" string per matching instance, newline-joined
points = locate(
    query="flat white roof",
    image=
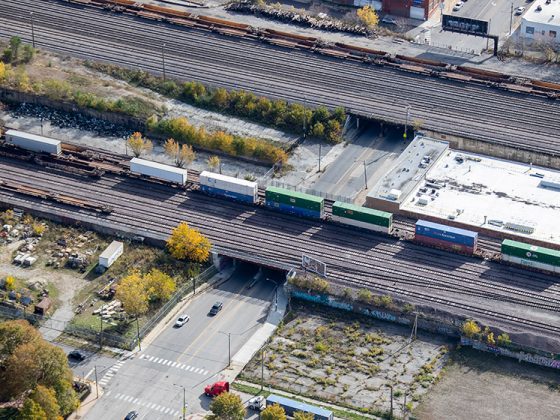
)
(228, 178)
(507, 192)
(160, 166)
(34, 137)
(549, 15)
(110, 250)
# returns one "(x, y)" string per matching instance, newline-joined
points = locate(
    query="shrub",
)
(470, 328)
(364, 295)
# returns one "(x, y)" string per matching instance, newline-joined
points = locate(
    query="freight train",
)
(309, 206)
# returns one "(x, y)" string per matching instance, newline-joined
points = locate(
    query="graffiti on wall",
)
(521, 356)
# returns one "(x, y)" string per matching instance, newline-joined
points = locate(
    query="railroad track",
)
(391, 265)
(464, 110)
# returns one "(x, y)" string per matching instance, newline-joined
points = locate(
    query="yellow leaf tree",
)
(2, 71)
(368, 16)
(273, 412)
(139, 144)
(132, 292)
(188, 243)
(471, 328)
(213, 162)
(302, 415)
(181, 154)
(159, 285)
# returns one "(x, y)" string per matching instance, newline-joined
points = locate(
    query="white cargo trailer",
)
(159, 170)
(230, 187)
(33, 142)
(111, 253)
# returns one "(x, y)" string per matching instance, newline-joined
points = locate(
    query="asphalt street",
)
(346, 176)
(496, 12)
(189, 357)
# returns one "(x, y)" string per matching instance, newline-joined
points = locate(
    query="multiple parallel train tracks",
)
(509, 297)
(472, 104)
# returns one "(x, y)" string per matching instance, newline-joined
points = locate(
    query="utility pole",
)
(365, 174)
(406, 122)
(229, 349)
(96, 386)
(305, 116)
(101, 333)
(262, 370)
(320, 157)
(184, 409)
(391, 412)
(41, 125)
(511, 18)
(138, 333)
(194, 284)
(32, 30)
(163, 59)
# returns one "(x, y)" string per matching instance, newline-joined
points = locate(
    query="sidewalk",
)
(258, 339)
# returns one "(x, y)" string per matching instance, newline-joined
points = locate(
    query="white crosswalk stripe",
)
(110, 373)
(168, 411)
(171, 363)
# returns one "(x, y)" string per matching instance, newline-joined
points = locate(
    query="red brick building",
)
(415, 9)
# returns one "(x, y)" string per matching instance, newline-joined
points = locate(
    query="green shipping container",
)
(294, 198)
(531, 252)
(362, 214)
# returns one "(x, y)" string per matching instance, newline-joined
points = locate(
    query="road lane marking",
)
(176, 365)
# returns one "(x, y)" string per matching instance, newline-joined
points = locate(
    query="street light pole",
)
(96, 386)
(406, 122)
(184, 410)
(163, 59)
(320, 157)
(305, 116)
(229, 349)
(138, 333)
(32, 30)
(365, 174)
(262, 370)
(511, 18)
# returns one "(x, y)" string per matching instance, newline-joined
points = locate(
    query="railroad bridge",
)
(493, 293)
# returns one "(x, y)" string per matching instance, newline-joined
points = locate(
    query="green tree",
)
(46, 398)
(273, 412)
(160, 286)
(321, 114)
(15, 43)
(333, 131)
(213, 162)
(220, 98)
(504, 340)
(318, 130)
(131, 291)
(66, 396)
(28, 53)
(227, 406)
(364, 295)
(31, 411)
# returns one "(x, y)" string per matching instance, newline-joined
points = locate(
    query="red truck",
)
(216, 389)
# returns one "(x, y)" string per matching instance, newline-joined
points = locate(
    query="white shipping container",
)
(33, 142)
(111, 253)
(229, 183)
(159, 170)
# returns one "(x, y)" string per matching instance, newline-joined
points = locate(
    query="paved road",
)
(190, 356)
(345, 176)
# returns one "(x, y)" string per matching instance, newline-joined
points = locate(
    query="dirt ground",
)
(349, 360)
(477, 385)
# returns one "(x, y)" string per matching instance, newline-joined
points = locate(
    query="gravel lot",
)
(478, 385)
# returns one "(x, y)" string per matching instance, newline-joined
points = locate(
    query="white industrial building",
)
(542, 21)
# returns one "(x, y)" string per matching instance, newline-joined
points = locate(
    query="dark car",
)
(76, 355)
(131, 416)
(217, 307)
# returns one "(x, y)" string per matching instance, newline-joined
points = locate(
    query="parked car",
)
(182, 320)
(131, 416)
(217, 307)
(76, 355)
(389, 20)
(519, 11)
(216, 388)
(457, 6)
(257, 403)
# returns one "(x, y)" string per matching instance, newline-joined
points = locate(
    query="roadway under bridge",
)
(456, 109)
(525, 304)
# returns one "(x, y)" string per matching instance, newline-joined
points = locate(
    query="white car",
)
(519, 11)
(182, 320)
(389, 20)
(457, 6)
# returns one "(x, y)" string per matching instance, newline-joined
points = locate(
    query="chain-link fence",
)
(318, 193)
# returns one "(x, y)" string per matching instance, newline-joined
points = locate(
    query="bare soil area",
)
(349, 360)
(478, 385)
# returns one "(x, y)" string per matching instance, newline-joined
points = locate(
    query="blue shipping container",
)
(446, 233)
(299, 211)
(291, 406)
(228, 194)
